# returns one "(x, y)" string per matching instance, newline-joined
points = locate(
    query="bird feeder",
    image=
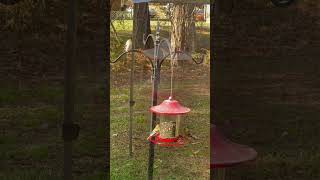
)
(168, 131)
(225, 153)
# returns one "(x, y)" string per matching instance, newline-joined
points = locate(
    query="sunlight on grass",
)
(31, 174)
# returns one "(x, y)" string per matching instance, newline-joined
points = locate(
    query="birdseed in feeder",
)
(168, 129)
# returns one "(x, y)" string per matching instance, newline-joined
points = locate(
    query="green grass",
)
(270, 106)
(34, 152)
(31, 146)
(32, 117)
(125, 26)
(30, 174)
(42, 94)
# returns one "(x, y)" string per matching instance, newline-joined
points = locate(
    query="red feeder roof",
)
(169, 107)
(226, 153)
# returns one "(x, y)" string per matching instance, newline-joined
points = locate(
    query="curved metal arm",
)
(168, 44)
(181, 52)
(197, 62)
(133, 50)
(170, 50)
(145, 40)
(173, 54)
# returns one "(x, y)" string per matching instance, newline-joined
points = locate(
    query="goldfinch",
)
(154, 131)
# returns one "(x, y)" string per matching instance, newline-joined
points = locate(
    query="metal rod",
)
(133, 50)
(154, 101)
(70, 84)
(131, 103)
(156, 77)
(221, 174)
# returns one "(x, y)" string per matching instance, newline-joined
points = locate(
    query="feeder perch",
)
(168, 133)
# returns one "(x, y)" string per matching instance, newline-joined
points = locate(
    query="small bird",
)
(155, 131)
(128, 46)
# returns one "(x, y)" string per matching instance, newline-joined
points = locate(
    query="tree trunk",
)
(183, 27)
(141, 25)
(115, 5)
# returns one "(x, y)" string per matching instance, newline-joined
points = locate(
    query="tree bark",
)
(141, 25)
(115, 5)
(183, 27)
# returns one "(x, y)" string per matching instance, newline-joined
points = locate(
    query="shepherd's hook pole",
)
(69, 86)
(128, 50)
(155, 82)
(131, 101)
(221, 174)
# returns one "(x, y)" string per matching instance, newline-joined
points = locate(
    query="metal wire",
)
(181, 52)
(133, 50)
(171, 85)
